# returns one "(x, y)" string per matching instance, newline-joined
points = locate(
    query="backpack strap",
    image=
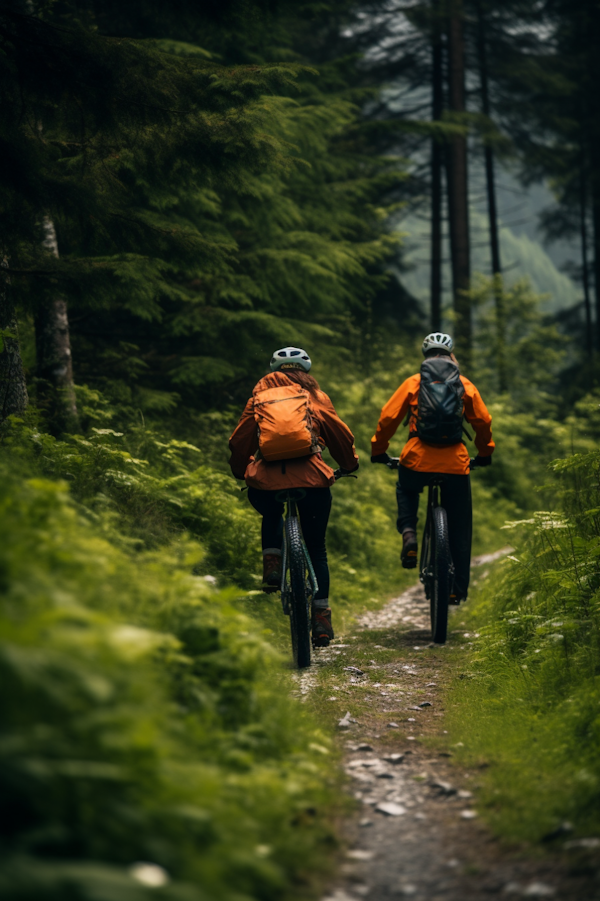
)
(315, 449)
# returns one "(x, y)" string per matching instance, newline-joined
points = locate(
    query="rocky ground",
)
(416, 832)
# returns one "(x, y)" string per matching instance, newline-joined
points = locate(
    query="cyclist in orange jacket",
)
(291, 366)
(421, 461)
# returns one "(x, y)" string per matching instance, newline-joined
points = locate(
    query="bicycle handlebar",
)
(342, 474)
(394, 463)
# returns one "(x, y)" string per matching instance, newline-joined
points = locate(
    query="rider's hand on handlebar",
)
(381, 458)
(390, 462)
(478, 461)
(341, 472)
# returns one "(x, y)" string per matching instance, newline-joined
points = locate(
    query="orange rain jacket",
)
(432, 457)
(302, 472)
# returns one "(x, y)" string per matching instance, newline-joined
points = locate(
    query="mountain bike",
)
(436, 569)
(298, 580)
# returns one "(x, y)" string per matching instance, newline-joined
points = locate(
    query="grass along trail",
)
(415, 831)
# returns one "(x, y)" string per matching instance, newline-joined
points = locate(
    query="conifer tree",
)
(202, 208)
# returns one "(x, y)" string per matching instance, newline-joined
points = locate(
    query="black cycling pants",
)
(314, 509)
(456, 500)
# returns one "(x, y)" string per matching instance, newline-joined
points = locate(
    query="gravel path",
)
(416, 833)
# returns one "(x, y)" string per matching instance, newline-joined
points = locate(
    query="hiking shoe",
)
(409, 549)
(271, 573)
(322, 630)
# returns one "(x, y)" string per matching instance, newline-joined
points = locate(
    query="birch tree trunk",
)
(13, 387)
(53, 348)
(458, 199)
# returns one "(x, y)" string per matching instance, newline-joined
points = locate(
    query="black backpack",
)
(440, 402)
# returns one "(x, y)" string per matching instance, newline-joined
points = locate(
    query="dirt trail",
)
(417, 834)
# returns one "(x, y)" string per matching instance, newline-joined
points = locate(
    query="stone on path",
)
(391, 809)
(360, 854)
(538, 890)
(444, 788)
(346, 721)
(339, 895)
(394, 758)
(393, 726)
(468, 814)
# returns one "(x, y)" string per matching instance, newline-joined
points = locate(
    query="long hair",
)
(304, 379)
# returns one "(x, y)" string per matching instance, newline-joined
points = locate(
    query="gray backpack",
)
(440, 405)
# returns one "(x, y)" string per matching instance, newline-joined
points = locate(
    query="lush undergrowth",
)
(527, 704)
(145, 717)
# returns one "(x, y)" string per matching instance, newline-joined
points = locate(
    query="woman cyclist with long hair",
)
(290, 366)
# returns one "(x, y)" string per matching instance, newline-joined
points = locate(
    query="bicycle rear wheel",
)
(441, 571)
(299, 612)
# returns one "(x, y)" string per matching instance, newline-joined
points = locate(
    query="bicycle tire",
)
(425, 561)
(442, 576)
(299, 612)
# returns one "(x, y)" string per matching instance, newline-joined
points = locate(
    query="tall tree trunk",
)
(13, 387)
(490, 182)
(53, 347)
(596, 239)
(458, 200)
(437, 104)
(488, 152)
(589, 21)
(585, 272)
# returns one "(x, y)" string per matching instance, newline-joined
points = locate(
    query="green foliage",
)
(530, 703)
(143, 715)
(510, 326)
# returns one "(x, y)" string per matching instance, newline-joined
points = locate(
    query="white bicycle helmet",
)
(290, 358)
(438, 341)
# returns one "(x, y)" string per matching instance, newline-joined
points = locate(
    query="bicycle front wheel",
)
(299, 612)
(441, 576)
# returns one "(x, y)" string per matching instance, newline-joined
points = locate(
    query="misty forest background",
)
(184, 187)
